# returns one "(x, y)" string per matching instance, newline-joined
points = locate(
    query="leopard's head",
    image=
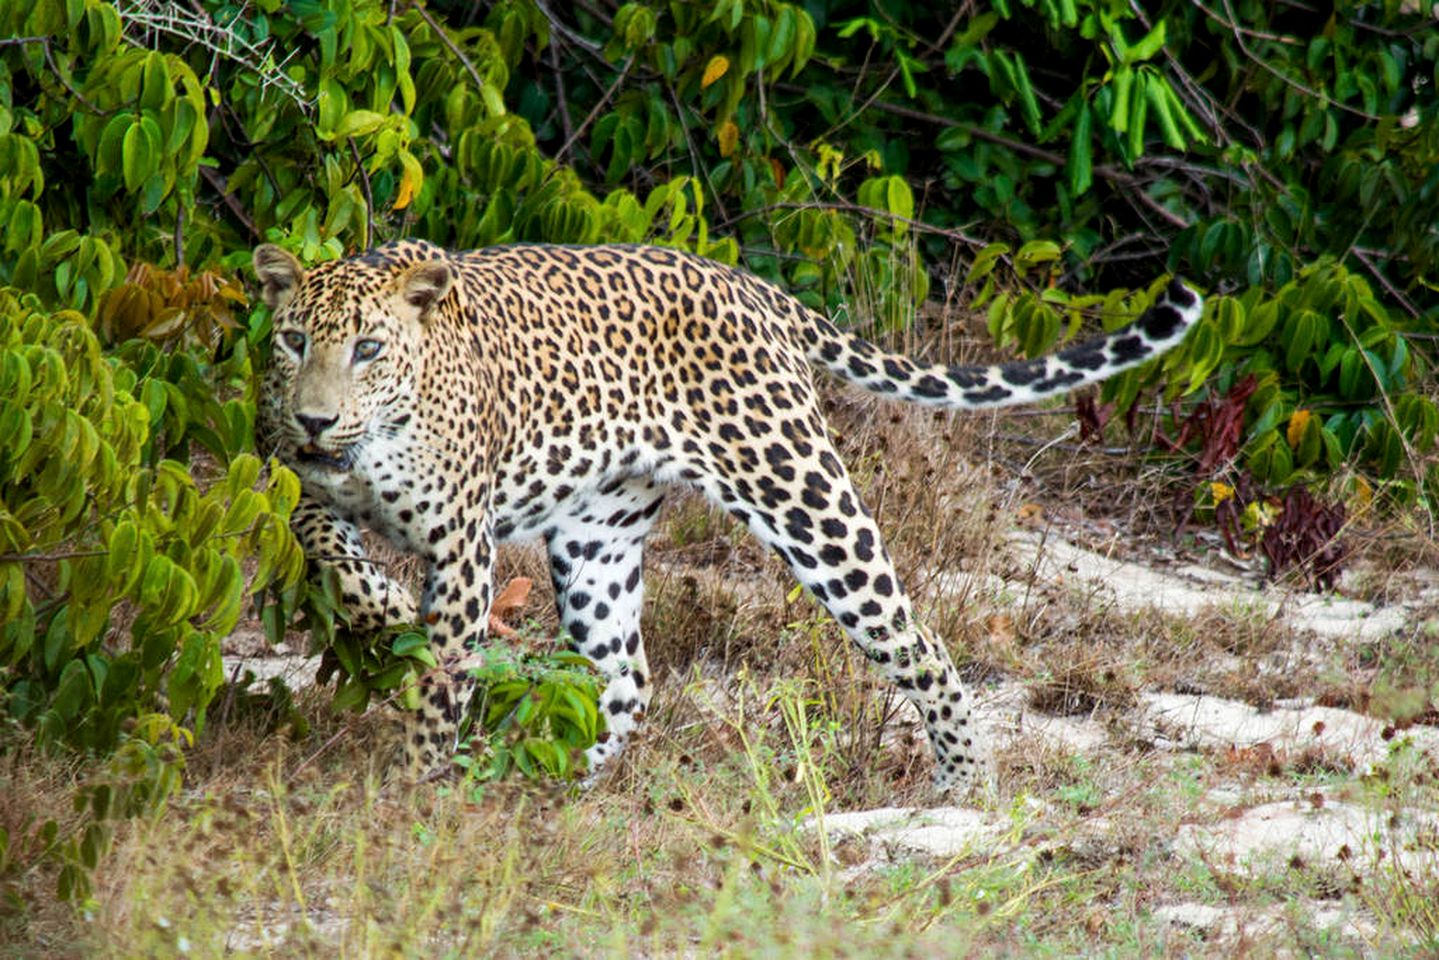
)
(348, 347)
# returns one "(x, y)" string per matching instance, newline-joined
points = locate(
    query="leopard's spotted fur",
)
(454, 400)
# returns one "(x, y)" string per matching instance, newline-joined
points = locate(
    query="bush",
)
(118, 572)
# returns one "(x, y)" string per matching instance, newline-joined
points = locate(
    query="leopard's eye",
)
(367, 350)
(295, 341)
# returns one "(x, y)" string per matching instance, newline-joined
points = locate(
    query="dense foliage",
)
(1042, 161)
(99, 531)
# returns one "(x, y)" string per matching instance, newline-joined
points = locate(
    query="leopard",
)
(450, 401)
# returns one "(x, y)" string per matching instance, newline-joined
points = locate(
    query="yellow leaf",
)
(1362, 493)
(411, 176)
(407, 191)
(1220, 491)
(716, 68)
(830, 161)
(1297, 422)
(728, 137)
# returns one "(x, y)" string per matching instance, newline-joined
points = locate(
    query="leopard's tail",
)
(852, 358)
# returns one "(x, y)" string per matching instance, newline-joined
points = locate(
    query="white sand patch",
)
(1330, 834)
(903, 832)
(1185, 591)
(1004, 709)
(1225, 924)
(1187, 721)
(297, 672)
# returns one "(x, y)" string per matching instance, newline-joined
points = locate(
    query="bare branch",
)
(1363, 256)
(449, 44)
(595, 111)
(559, 26)
(1239, 33)
(561, 97)
(217, 183)
(364, 187)
(44, 43)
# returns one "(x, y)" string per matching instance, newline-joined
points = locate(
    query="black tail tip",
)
(1179, 294)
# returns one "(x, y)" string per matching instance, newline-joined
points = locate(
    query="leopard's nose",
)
(314, 426)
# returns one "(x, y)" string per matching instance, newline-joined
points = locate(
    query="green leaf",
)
(1303, 333)
(357, 123)
(1028, 103)
(1155, 89)
(123, 552)
(136, 160)
(1034, 253)
(1262, 319)
(900, 201)
(1119, 105)
(156, 89)
(409, 644)
(1138, 115)
(73, 692)
(1081, 160)
(1148, 46)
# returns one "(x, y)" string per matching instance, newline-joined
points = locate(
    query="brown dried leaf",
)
(511, 600)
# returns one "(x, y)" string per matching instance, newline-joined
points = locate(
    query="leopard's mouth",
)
(338, 460)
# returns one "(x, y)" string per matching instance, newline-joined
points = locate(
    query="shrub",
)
(118, 571)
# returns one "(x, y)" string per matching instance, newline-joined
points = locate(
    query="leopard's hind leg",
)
(807, 510)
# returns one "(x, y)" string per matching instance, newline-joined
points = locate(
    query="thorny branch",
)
(196, 27)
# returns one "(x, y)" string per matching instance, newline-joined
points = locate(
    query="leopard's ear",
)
(279, 273)
(424, 285)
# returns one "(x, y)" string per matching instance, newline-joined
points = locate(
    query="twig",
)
(965, 9)
(1109, 253)
(1410, 454)
(1197, 170)
(1028, 441)
(563, 30)
(595, 12)
(566, 127)
(179, 236)
(344, 731)
(936, 46)
(217, 183)
(1363, 257)
(51, 557)
(1163, 212)
(197, 27)
(364, 187)
(449, 44)
(1233, 25)
(694, 153)
(44, 43)
(595, 111)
